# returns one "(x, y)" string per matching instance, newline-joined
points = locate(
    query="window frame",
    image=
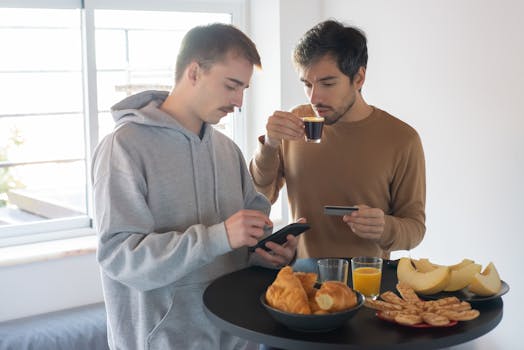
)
(83, 225)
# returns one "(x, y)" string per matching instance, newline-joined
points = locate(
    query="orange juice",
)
(366, 280)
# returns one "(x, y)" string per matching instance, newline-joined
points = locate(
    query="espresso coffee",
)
(313, 127)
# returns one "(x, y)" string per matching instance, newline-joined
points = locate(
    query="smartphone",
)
(279, 237)
(338, 210)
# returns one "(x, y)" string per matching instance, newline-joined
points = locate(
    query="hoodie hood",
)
(144, 108)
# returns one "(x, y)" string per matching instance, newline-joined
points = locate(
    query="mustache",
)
(320, 105)
(228, 109)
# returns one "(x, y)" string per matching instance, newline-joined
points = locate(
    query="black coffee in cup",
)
(313, 127)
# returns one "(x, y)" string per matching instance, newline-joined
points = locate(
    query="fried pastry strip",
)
(435, 319)
(407, 293)
(466, 315)
(392, 298)
(381, 305)
(408, 319)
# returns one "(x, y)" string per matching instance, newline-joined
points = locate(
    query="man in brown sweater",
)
(366, 158)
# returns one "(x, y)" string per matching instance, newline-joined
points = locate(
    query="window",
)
(61, 69)
(131, 54)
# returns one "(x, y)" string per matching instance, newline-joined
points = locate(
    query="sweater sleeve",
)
(252, 198)
(267, 170)
(405, 224)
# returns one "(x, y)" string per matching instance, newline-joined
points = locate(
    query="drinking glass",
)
(367, 275)
(333, 270)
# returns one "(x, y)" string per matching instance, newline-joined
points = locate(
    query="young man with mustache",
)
(366, 158)
(175, 206)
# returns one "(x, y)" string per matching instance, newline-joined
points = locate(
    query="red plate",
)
(418, 325)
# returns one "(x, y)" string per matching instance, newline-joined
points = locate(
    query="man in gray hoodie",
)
(175, 206)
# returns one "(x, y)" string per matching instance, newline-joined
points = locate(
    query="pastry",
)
(335, 296)
(410, 310)
(287, 294)
(308, 280)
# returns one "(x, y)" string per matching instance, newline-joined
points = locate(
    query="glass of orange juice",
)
(367, 274)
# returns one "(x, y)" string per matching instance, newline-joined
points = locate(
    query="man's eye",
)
(229, 87)
(328, 84)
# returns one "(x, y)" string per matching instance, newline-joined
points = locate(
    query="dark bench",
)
(80, 328)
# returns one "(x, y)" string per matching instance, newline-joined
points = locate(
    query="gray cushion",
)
(81, 328)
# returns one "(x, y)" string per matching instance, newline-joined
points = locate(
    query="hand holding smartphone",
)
(279, 237)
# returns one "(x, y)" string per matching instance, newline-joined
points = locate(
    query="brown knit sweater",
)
(377, 161)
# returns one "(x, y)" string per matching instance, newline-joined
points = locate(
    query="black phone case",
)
(279, 237)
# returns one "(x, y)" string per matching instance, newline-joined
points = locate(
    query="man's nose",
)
(314, 96)
(237, 98)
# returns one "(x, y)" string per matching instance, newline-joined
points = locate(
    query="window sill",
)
(50, 250)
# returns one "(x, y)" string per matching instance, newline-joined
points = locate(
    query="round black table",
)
(232, 304)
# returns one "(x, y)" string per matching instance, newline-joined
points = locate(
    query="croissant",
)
(287, 294)
(308, 280)
(335, 296)
(313, 305)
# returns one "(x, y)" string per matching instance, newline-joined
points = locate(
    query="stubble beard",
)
(330, 120)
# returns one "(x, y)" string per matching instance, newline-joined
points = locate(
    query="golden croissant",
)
(308, 280)
(295, 292)
(335, 296)
(287, 294)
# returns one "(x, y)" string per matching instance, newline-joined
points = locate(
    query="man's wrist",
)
(270, 142)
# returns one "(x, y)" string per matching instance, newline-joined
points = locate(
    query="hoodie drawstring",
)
(215, 177)
(195, 176)
(194, 161)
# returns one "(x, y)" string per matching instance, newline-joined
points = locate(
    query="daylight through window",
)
(46, 133)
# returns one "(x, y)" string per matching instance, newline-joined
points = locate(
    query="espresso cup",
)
(313, 126)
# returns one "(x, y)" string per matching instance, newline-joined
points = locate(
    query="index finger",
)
(367, 212)
(257, 214)
(289, 117)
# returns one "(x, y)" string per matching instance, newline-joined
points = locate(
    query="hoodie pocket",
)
(185, 325)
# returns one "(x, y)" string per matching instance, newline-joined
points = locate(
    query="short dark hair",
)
(346, 45)
(210, 43)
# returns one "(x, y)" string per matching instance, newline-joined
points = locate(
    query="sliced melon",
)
(423, 282)
(424, 265)
(486, 283)
(462, 276)
(461, 264)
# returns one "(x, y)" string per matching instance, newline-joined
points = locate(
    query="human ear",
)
(360, 78)
(192, 72)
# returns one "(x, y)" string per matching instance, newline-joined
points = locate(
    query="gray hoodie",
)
(161, 196)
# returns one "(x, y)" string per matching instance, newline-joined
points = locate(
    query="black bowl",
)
(313, 323)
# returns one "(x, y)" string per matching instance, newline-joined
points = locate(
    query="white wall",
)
(267, 94)
(275, 28)
(454, 71)
(35, 288)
